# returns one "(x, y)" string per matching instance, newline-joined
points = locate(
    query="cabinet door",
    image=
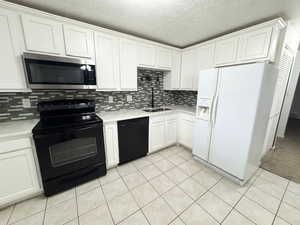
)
(157, 134)
(12, 77)
(188, 64)
(185, 132)
(226, 51)
(171, 131)
(78, 41)
(172, 78)
(255, 44)
(18, 175)
(204, 60)
(107, 62)
(111, 144)
(128, 65)
(146, 55)
(42, 35)
(164, 58)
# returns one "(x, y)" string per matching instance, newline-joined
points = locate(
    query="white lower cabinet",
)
(17, 172)
(171, 130)
(162, 132)
(156, 133)
(185, 130)
(111, 144)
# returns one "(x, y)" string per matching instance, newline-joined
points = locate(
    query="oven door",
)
(72, 149)
(43, 74)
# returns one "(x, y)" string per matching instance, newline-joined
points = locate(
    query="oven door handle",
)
(66, 132)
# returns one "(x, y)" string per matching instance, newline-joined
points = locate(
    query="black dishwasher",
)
(133, 139)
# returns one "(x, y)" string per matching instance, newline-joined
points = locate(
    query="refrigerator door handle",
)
(215, 107)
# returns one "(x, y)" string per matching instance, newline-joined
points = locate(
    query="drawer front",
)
(13, 145)
(156, 119)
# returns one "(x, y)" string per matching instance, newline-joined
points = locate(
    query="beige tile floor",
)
(285, 159)
(167, 187)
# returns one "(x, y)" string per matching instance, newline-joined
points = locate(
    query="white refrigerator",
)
(232, 114)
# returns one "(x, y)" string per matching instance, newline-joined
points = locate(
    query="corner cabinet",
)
(188, 69)
(186, 125)
(78, 41)
(111, 144)
(107, 62)
(128, 65)
(164, 58)
(162, 132)
(172, 78)
(12, 77)
(147, 55)
(43, 35)
(18, 172)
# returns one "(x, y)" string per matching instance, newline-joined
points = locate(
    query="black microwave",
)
(55, 72)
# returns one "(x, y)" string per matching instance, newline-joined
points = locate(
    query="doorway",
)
(284, 158)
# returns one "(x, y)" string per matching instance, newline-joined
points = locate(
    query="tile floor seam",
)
(106, 200)
(10, 214)
(195, 201)
(281, 203)
(234, 206)
(44, 216)
(76, 200)
(129, 191)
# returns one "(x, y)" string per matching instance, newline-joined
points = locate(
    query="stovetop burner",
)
(66, 113)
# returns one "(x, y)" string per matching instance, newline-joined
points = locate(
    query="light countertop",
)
(24, 127)
(17, 128)
(138, 113)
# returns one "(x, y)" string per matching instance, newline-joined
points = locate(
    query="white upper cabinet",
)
(204, 60)
(164, 58)
(255, 44)
(188, 69)
(107, 62)
(205, 56)
(226, 50)
(12, 77)
(146, 55)
(151, 56)
(78, 41)
(172, 78)
(128, 64)
(43, 35)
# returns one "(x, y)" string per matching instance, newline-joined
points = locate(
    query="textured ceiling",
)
(176, 22)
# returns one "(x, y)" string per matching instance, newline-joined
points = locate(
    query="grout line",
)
(281, 200)
(234, 206)
(106, 201)
(10, 214)
(76, 200)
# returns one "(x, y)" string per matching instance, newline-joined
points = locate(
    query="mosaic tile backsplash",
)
(11, 107)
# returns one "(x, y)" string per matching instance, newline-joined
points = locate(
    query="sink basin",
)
(156, 110)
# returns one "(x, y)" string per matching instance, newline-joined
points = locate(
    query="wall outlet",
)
(26, 103)
(110, 99)
(129, 98)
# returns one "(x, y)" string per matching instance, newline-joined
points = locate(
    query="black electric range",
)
(69, 143)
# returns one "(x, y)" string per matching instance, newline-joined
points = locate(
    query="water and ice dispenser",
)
(204, 106)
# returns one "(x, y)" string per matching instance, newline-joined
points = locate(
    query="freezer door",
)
(202, 131)
(237, 100)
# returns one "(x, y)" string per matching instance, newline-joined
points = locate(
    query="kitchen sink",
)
(156, 109)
